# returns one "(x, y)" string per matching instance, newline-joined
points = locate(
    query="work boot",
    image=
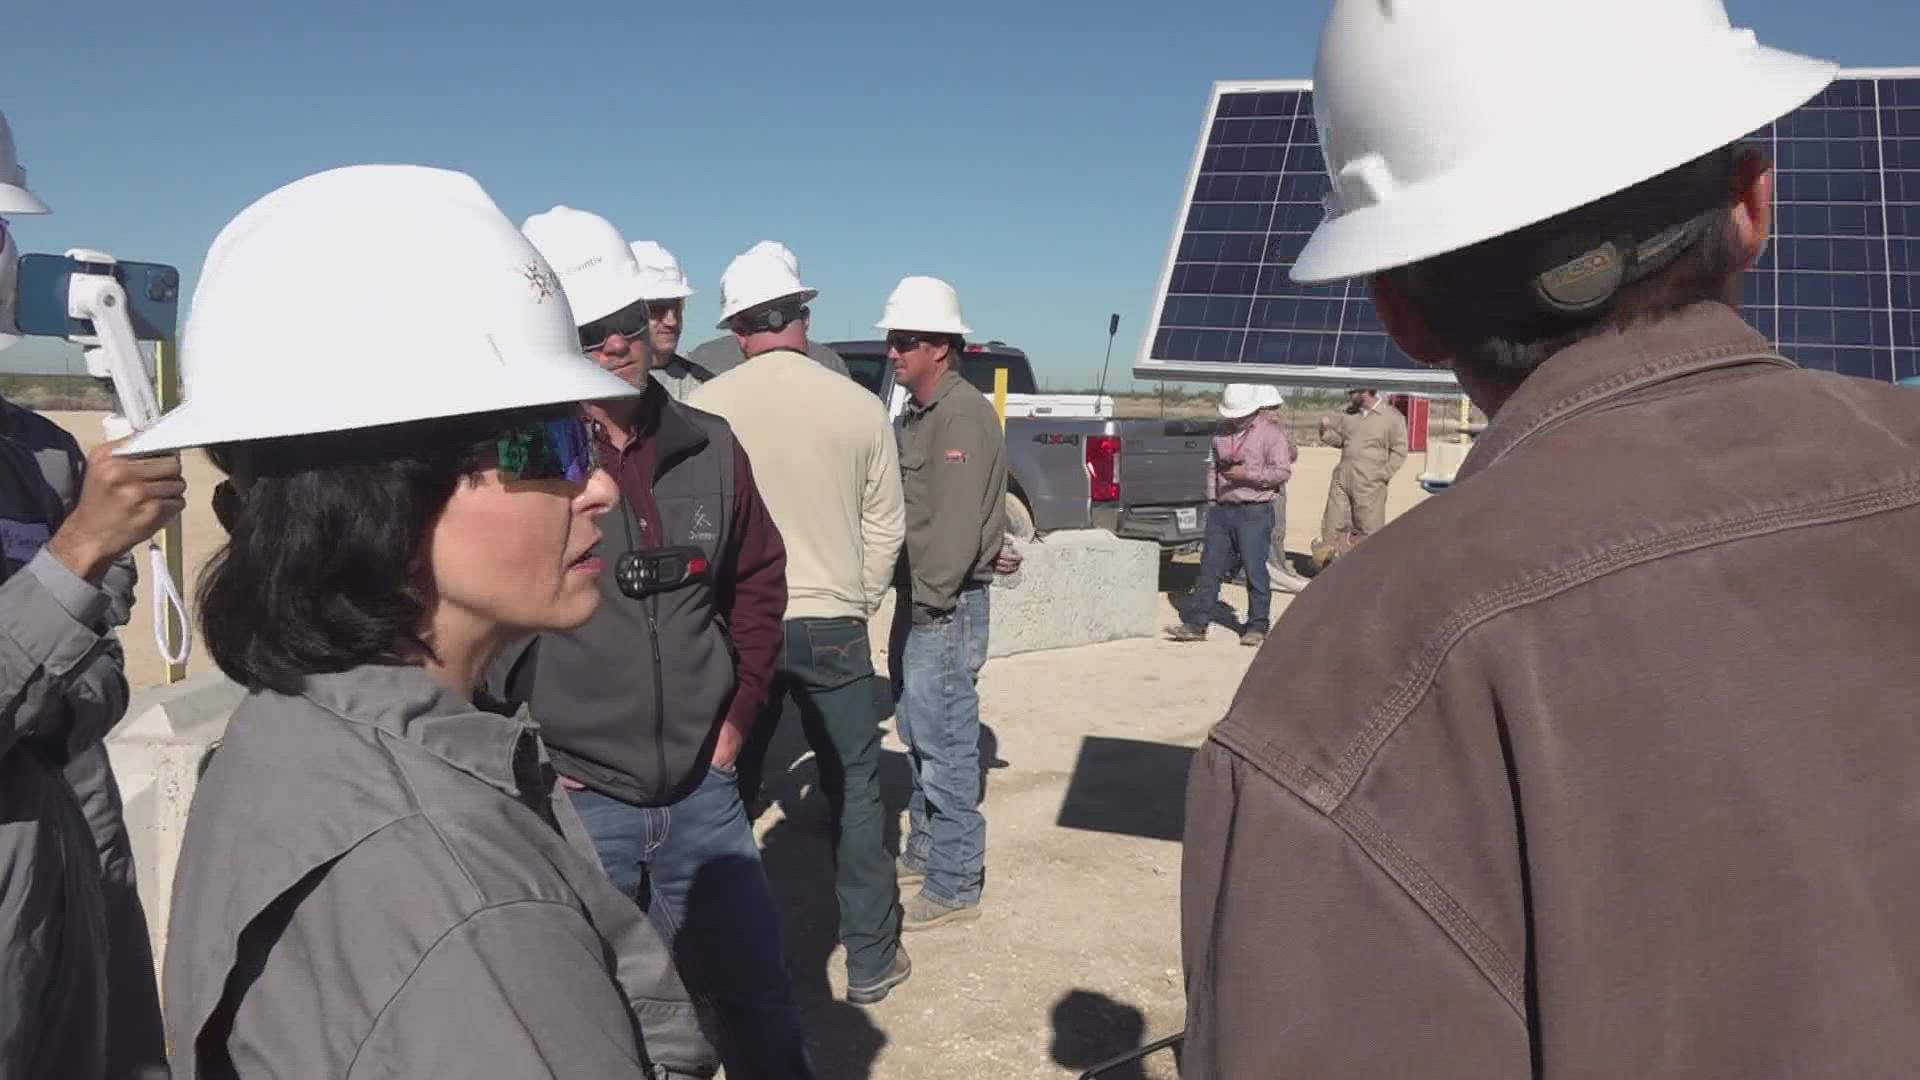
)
(1253, 639)
(1322, 555)
(907, 874)
(923, 912)
(877, 990)
(1186, 632)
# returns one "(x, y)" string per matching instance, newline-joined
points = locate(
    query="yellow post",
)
(1000, 396)
(166, 377)
(1466, 417)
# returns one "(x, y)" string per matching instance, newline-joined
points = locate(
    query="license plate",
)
(1187, 518)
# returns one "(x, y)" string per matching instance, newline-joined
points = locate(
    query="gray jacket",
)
(75, 942)
(380, 879)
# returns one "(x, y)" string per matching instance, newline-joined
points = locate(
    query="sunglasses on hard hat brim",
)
(549, 448)
(629, 322)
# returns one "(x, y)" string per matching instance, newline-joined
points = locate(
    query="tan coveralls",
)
(1373, 446)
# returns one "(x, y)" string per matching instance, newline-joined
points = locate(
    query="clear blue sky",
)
(1034, 153)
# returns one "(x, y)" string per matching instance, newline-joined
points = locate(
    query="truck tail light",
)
(1103, 467)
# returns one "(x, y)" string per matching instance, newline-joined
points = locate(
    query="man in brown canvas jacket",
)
(1562, 775)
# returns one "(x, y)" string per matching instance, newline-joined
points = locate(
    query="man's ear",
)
(1752, 205)
(1404, 325)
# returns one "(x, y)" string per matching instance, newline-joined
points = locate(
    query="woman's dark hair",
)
(1478, 302)
(321, 571)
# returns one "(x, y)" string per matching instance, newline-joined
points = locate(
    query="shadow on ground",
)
(1092, 1031)
(1129, 787)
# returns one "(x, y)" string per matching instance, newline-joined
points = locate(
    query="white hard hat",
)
(759, 276)
(926, 304)
(14, 196)
(660, 275)
(593, 260)
(371, 295)
(1447, 124)
(1245, 399)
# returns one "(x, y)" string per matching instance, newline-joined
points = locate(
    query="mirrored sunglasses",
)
(556, 449)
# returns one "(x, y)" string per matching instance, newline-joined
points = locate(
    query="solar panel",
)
(1839, 288)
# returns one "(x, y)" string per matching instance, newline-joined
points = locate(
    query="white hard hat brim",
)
(1553, 172)
(1238, 413)
(666, 292)
(15, 199)
(804, 296)
(548, 380)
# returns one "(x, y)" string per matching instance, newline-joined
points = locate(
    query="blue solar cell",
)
(1836, 289)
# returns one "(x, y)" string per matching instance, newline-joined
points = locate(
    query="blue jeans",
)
(940, 723)
(826, 667)
(695, 867)
(1241, 532)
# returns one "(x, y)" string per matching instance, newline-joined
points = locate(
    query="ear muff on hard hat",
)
(1447, 125)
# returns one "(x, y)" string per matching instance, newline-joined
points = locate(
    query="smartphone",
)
(153, 297)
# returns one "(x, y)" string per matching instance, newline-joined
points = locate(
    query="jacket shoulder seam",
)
(374, 1022)
(1407, 694)
(1407, 873)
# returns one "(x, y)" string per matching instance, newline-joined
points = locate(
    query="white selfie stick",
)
(112, 352)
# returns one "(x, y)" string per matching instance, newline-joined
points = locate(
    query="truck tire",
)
(1019, 518)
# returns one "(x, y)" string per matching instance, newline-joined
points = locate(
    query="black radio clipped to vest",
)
(644, 573)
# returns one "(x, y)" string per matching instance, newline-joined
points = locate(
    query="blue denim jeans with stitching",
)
(694, 866)
(939, 720)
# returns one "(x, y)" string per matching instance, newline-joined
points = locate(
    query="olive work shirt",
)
(1604, 763)
(953, 465)
(380, 879)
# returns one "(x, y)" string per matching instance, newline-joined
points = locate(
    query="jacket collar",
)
(406, 702)
(1599, 370)
(663, 425)
(940, 390)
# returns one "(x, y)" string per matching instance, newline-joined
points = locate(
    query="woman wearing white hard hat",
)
(1252, 461)
(377, 873)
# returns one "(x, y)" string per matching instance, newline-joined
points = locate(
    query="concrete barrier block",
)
(157, 754)
(1074, 588)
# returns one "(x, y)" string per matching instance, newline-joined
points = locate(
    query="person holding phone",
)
(73, 934)
(380, 875)
(648, 704)
(1252, 461)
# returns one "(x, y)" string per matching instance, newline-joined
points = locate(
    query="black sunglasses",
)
(629, 322)
(900, 342)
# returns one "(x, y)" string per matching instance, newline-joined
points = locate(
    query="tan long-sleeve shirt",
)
(824, 457)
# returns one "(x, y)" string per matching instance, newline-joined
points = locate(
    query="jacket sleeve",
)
(1336, 434)
(45, 647)
(753, 595)
(517, 990)
(962, 474)
(1304, 958)
(883, 521)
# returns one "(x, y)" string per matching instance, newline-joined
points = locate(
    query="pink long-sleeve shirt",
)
(1265, 453)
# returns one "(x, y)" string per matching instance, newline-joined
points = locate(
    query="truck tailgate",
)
(1162, 464)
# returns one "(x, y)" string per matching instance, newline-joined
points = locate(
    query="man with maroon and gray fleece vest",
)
(645, 707)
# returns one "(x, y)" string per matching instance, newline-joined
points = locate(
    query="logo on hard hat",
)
(543, 281)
